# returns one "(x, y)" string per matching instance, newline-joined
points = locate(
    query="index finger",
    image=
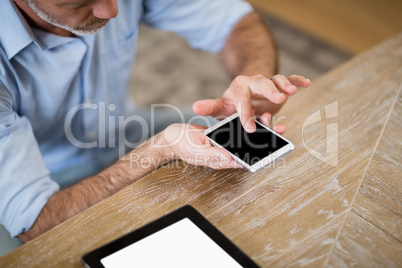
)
(241, 97)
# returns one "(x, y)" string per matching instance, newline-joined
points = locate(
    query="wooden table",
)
(332, 202)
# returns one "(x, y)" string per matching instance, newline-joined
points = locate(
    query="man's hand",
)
(178, 141)
(188, 143)
(250, 96)
(250, 50)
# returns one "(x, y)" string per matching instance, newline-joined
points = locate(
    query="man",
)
(64, 60)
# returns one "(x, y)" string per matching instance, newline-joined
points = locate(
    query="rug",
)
(167, 70)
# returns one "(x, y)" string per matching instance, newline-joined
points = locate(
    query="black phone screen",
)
(249, 147)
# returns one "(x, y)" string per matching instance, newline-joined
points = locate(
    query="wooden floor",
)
(350, 25)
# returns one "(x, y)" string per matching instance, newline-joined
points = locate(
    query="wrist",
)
(146, 157)
(162, 147)
(176, 140)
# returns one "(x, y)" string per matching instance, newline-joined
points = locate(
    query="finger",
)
(241, 97)
(280, 129)
(215, 164)
(218, 158)
(223, 164)
(195, 136)
(283, 84)
(224, 157)
(265, 119)
(234, 164)
(263, 86)
(246, 114)
(299, 81)
(215, 158)
(216, 108)
(207, 107)
(199, 127)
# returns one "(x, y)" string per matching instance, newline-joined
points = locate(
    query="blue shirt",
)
(47, 81)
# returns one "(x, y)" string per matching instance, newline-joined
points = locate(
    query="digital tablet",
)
(183, 238)
(251, 150)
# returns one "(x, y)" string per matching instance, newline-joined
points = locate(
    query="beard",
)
(91, 27)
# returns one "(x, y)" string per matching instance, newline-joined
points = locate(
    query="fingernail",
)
(251, 127)
(266, 120)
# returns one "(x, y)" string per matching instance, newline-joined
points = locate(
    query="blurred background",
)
(313, 37)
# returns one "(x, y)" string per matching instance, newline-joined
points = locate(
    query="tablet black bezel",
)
(93, 258)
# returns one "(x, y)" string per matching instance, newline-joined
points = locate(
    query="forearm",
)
(75, 199)
(250, 48)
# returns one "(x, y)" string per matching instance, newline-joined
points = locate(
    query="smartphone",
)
(252, 150)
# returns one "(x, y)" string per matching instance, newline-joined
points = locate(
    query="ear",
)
(19, 1)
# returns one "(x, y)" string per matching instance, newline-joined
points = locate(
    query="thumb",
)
(212, 108)
(207, 107)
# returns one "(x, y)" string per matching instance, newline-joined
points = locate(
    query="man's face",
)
(81, 17)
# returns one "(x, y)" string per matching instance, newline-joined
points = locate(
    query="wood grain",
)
(351, 25)
(372, 235)
(300, 212)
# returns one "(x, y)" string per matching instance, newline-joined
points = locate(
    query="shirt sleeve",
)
(25, 184)
(205, 24)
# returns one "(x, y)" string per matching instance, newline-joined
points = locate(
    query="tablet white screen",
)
(181, 244)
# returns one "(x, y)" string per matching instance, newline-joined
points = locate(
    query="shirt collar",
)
(15, 33)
